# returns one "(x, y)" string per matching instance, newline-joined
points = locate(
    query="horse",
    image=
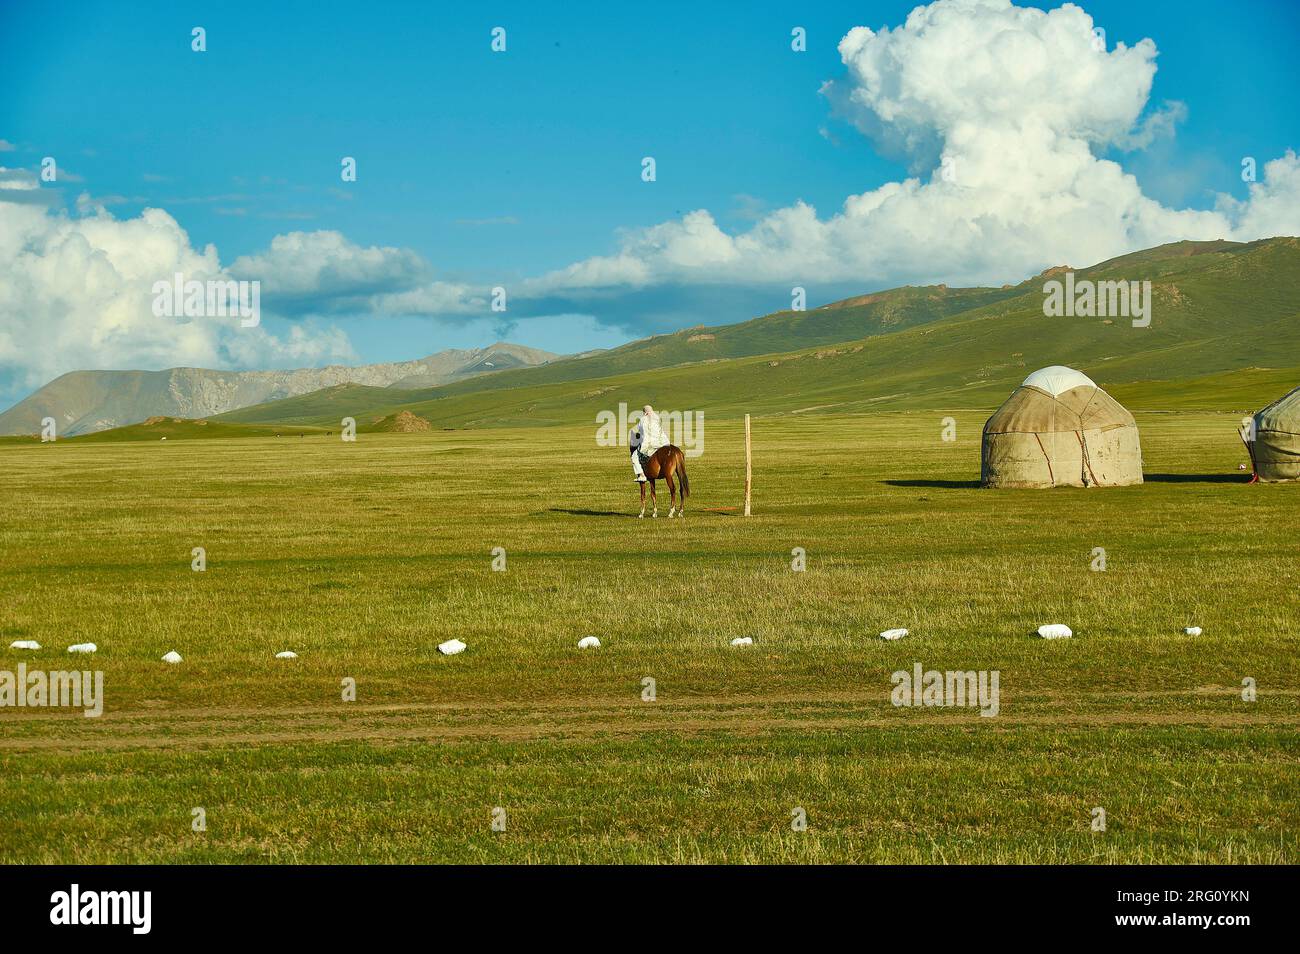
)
(664, 463)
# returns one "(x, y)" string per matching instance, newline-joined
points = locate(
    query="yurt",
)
(1058, 429)
(1275, 451)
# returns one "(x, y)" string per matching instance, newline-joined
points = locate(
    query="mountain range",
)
(87, 401)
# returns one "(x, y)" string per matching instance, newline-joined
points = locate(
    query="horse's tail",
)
(681, 466)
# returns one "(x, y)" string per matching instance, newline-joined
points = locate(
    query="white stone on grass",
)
(24, 644)
(589, 642)
(893, 634)
(1055, 631)
(172, 657)
(451, 647)
(83, 648)
(743, 641)
(1192, 631)
(287, 654)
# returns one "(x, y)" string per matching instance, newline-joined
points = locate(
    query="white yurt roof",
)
(1057, 380)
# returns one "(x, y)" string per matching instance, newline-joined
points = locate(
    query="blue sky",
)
(495, 168)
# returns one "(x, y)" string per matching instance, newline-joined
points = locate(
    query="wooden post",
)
(748, 466)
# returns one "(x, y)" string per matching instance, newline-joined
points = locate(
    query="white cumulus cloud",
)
(76, 292)
(324, 273)
(325, 264)
(1001, 112)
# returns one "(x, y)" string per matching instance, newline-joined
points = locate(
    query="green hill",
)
(849, 320)
(852, 319)
(180, 429)
(1225, 332)
(328, 406)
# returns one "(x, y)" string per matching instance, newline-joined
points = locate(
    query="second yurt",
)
(1275, 451)
(1058, 429)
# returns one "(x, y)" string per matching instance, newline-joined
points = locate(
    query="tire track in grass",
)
(206, 729)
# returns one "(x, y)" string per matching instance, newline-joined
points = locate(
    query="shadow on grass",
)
(941, 484)
(591, 513)
(1149, 478)
(714, 511)
(1242, 478)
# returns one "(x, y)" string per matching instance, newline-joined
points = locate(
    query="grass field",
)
(363, 557)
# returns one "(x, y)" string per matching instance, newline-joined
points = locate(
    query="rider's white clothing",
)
(634, 445)
(652, 434)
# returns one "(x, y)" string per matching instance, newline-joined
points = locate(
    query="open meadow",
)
(363, 557)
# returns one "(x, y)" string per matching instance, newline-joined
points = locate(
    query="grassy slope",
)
(173, 429)
(328, 406)
(362, 557)
(850, 320)
(1220, 311)
(178, 429)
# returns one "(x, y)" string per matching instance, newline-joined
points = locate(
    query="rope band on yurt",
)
(1087, 463)
(1046, 458)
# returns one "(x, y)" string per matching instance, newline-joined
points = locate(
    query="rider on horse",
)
(653, 458)
(646, 438)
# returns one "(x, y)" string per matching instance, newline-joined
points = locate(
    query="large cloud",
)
(76, 293)
(323, 269)
(323, 273)
(1005, 111)
(1274, 204)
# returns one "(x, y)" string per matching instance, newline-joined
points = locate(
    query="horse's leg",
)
(654, 499)
(642, 513)
(685, 484)
(672, 493)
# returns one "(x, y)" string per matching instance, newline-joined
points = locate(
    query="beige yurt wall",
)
(1276, 450)
(1058, 429)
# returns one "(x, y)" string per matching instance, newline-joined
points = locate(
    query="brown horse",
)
(664, 463)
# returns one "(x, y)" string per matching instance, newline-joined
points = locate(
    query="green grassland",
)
(363, 556)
